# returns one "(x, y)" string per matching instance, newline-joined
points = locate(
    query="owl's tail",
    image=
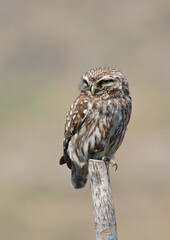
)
(79, 175)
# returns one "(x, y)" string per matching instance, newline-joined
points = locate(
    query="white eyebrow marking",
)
(85, 78)
(106, 77)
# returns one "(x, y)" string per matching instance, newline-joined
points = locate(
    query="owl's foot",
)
(111, 161)
(113, 164)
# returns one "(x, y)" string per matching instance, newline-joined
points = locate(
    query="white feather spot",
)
(89, 105)
(76, 102)
(81, 164)
(104, 108)
(85, 111)
(97, 134)
(101, 124)
(85, 148)
(104, 121)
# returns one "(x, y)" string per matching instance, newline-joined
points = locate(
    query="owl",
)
(96, 122)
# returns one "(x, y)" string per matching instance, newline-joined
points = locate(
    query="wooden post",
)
(104, 213)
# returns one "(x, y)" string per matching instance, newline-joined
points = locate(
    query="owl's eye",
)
(105, 82)
(85, 83)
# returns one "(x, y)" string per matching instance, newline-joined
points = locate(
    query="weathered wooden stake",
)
(104, 213)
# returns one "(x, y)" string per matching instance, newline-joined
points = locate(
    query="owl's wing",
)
(74, 120)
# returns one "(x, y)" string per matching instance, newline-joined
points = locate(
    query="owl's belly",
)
(113, 138)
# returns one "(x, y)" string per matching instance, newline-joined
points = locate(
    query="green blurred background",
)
(45, 46)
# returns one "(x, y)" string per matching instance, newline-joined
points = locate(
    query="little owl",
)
(96, 122)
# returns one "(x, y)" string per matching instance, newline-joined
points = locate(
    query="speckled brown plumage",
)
(96, 122)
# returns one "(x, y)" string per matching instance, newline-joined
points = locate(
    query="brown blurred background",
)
(45, 46)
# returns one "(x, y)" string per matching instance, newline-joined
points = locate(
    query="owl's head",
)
(104, 82)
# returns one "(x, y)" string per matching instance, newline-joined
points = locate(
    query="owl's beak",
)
(93, 88)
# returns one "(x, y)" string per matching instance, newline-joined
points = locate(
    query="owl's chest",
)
(106, 113)
(101, 124)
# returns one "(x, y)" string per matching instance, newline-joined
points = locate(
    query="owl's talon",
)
(113, 164)
(111, 161)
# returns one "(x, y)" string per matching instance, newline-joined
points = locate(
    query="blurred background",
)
(45, 46)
